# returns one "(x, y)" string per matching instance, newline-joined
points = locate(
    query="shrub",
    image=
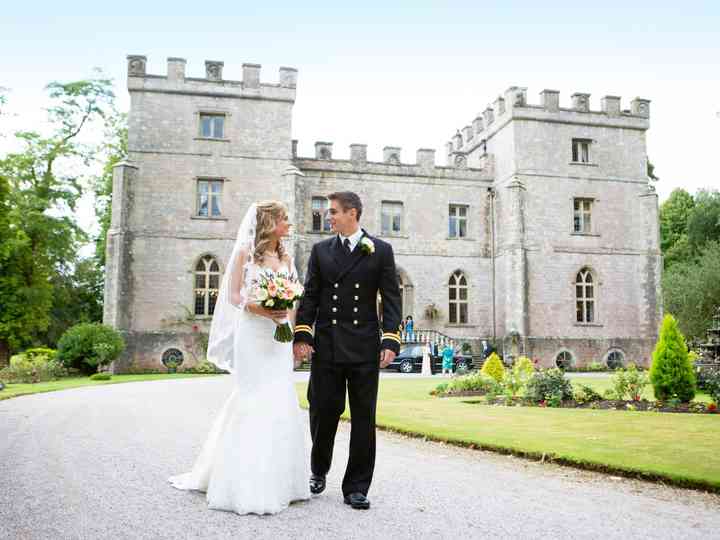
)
(629, 383)
(711, 384)
(104, 376)
(671, 373)
(204, 367)
(548, 382)
(475, 382)
(493, 367)
(50, 354)
(596, 366)
(586, 394)
(32, 369)
(516, 379)
(89, 345)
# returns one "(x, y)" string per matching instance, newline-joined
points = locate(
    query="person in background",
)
(409, 328)
(447, 359)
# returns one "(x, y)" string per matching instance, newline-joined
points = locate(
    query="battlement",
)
(391, 165)
(175, 80)
(513, 105)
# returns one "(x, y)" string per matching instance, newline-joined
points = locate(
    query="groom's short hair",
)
(347, 200)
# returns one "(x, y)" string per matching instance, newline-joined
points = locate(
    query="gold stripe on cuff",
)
(393, 338)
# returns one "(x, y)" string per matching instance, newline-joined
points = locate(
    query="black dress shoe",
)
(317, 483)
(358, 501)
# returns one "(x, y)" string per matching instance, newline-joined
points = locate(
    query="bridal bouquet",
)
(279, 291)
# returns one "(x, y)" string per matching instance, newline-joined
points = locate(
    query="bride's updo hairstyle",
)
(268, 214)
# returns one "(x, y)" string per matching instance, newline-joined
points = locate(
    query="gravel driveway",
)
(92, 463)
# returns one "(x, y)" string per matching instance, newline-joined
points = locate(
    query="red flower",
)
(712, 407)
(195, 328)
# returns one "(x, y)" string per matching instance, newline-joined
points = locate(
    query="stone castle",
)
(540, 231)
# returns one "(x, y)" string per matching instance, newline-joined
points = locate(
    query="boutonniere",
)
(367, 246)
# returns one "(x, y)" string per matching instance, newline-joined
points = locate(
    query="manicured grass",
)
(677, 448)
(15, 390)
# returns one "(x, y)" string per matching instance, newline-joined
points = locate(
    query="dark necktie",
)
(346, 244)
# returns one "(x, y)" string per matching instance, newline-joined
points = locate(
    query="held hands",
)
(386, 358)
(302, 351)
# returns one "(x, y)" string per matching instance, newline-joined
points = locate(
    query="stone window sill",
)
(209, 218)
(461, 325)
(386, 235)
(460, 238)
(215, 139)
(584, 164)
(322, 233)
(591, 325)
(202, 318)
(595, 235)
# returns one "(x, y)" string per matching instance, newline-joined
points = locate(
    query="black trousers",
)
(326, 395)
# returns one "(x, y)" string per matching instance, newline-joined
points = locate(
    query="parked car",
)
(410, 360)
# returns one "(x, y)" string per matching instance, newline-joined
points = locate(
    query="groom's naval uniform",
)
(340, 302)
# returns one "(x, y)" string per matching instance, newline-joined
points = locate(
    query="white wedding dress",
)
(255, 457)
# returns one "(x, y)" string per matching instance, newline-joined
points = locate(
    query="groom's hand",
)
(302, 351)
(386, 358)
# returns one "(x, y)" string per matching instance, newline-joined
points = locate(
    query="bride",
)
(254, 459)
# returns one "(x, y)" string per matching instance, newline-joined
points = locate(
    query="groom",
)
(343, 278)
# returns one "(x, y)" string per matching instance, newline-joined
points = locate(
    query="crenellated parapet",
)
(513, 105)
(392, 163)
(175, 80)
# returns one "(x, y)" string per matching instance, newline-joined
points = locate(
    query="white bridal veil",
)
(233, 295)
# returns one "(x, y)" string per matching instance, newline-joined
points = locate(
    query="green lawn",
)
(15, 390)
(679, 448)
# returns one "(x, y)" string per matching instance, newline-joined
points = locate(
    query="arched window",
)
(564, 360)
(585, 296)
(615, 359)
(207, 283)
(458, 298)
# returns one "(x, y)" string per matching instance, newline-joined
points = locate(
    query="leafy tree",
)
(671, 373)
(674, 213)
(115, 150)
(703, 223)
(41, 237)
(691, 290)
(77, 298)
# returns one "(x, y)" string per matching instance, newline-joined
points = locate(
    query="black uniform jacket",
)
(340, 301)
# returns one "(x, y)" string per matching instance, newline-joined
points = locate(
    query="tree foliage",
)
(41, 186)
(691, 291)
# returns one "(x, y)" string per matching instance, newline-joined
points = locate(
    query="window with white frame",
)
(458, 298)
(320, 221)
(457, 223)
(391, 218)
(564, 360)
(209, 195)
(212, 126)
(207, 284)
(581, 150)
(585, 296)
(582, 216)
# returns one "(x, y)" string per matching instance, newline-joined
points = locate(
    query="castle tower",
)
(577, 225)
(200, 150)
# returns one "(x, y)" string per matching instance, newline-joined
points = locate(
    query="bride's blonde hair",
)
(268, 215)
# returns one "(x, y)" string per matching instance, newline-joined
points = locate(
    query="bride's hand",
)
(278, 316)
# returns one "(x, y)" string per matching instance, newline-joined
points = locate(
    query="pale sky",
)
(402, 74)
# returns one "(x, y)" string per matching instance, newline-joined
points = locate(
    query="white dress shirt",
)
(354, 239)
